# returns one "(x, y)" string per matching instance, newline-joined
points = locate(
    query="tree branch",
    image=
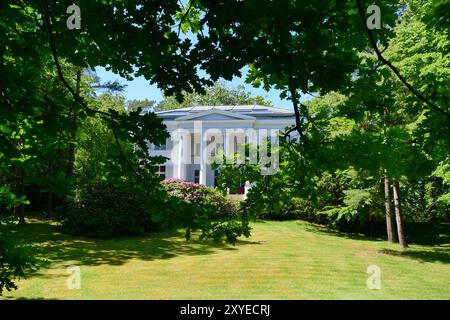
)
(191, 3)
(75, 93)
(52, 41)
(295, 103)
(392, 67)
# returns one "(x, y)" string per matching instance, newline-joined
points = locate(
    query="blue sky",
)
(139, 88)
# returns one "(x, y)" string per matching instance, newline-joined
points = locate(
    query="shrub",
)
(106, 210)
(202, 196)
(109, 209)
(294, 209)
(197, 207)
(15, 260)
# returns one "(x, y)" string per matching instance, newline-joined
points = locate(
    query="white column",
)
(225, 143)
(202, 158)
(225, 146)
(180, 157)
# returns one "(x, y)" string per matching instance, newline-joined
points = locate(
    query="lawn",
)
(282, 260)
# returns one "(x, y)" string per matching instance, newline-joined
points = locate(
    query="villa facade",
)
(199, 132)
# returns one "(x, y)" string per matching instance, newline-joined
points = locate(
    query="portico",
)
(199, 134)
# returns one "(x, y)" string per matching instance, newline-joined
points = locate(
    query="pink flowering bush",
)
(201, 195)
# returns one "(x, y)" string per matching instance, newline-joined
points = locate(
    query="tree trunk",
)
(22, 193)
(50, 205)
(389, 220)
(398, 216)
(71, 159)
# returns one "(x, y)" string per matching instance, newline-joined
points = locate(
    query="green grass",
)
(282, 260)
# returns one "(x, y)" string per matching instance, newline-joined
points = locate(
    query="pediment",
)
(215, 115)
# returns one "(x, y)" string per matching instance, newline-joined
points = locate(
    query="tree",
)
(389, 222)
(297, 47)
(14, 261)
(216, 95)
(38, 100)
(292, 46)
(398, 216)
(137, 105)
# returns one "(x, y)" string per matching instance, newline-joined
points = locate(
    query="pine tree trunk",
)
(398, 216)
(389, 220)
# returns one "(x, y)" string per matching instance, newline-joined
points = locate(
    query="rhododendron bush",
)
(199, 208)
(201, 195)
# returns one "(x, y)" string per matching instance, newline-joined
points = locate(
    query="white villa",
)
(203, 130)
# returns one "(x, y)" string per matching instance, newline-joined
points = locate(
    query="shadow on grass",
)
(432, 255)
(55, 247)
(9, 298)
(436, 236)
(416, 233)
(324, 230)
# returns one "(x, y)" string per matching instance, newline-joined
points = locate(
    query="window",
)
(161, 172)
(196, 176)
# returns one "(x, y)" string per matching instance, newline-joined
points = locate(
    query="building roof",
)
(250, 110)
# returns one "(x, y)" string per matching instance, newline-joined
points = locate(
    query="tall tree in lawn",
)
(388, 206)
(422, 53)
(398, 215)
(373, 106)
